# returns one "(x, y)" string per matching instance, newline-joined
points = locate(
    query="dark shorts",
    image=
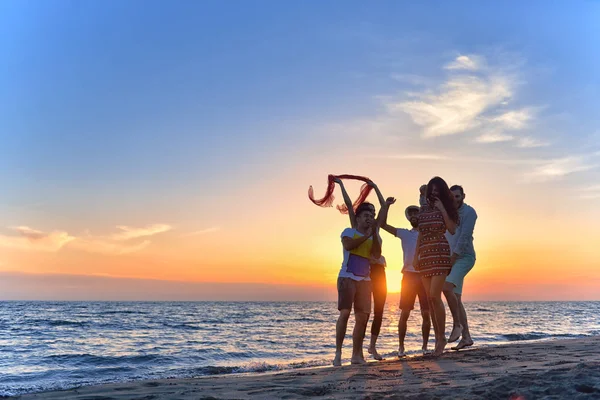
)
(412, 286)
(357, 293)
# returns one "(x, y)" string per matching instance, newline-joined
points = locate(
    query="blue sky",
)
(144, 112)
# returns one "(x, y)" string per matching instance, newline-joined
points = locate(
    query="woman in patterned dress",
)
(432, 258)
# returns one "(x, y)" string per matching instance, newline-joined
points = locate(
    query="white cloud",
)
(558, 168)
(494, 138)
(515, 119)
(94, 245)
(36, 240)
(590, 192)
(529, 142)
(134, 233)
(470, 63)
(474, 98)
(31, 239)
(458, 106)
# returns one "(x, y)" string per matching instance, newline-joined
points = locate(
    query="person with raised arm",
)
(360, 244)
(412, 285)
(378, 278)
(433, 255)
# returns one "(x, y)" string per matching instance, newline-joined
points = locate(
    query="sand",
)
(563, 369)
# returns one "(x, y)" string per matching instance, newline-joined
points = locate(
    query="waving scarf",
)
(327, 200)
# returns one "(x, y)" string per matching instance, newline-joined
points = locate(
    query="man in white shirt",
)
(463, 260)
(412, 286)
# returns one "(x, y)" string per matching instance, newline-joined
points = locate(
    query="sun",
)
(394, 278)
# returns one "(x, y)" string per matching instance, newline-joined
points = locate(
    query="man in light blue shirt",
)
(463, 260)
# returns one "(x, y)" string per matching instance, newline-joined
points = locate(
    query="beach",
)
(557, 369)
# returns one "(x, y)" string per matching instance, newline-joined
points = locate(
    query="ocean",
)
(61, 345)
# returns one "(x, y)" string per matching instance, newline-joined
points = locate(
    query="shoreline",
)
(565, 368)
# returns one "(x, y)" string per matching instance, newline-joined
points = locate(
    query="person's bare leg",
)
(373, 348)
(439, 312)
(466, 340)
(425, 329)
(379, 283)
(340, 334)
(454, 309)
(427, 285)
(358, 337)
(402, 326)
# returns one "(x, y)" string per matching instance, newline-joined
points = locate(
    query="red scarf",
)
(327, 200)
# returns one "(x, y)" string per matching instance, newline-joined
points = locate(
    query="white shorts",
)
(459, 270)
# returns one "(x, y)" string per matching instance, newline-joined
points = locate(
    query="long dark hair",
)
(445, 196)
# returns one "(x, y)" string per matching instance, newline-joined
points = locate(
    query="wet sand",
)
(563, 369)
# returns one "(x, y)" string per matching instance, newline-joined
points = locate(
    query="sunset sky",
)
(163, 150)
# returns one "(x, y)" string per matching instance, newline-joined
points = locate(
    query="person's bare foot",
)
(440, 345)
(337, 361)
(374, 353)
(358, 360)
(425, 351)
(455, 335)
(401, 352)
(462, 344)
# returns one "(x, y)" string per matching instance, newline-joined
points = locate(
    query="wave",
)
(184, 327)
(94, 360)
(66, 323)
(516, 337)
(66, 384)
(122, 312)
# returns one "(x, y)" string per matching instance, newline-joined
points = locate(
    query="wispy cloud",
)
(590, 192)
(32, 239)
(477, 101)
(494, 138)
(470, 63)
(475, 97)
(36, 240)
(514, 119)
(529, 142)
(102, 246)
(203, 231)
(128, 232)
(458, 105)
(558, 168)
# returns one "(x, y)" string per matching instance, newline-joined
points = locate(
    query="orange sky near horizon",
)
(519, 242)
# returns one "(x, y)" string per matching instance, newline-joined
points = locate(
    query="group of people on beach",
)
(438, 254)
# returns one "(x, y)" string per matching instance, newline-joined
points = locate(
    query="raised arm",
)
(450, 225)
(384, 214)
(379, 197)
(348, 203)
